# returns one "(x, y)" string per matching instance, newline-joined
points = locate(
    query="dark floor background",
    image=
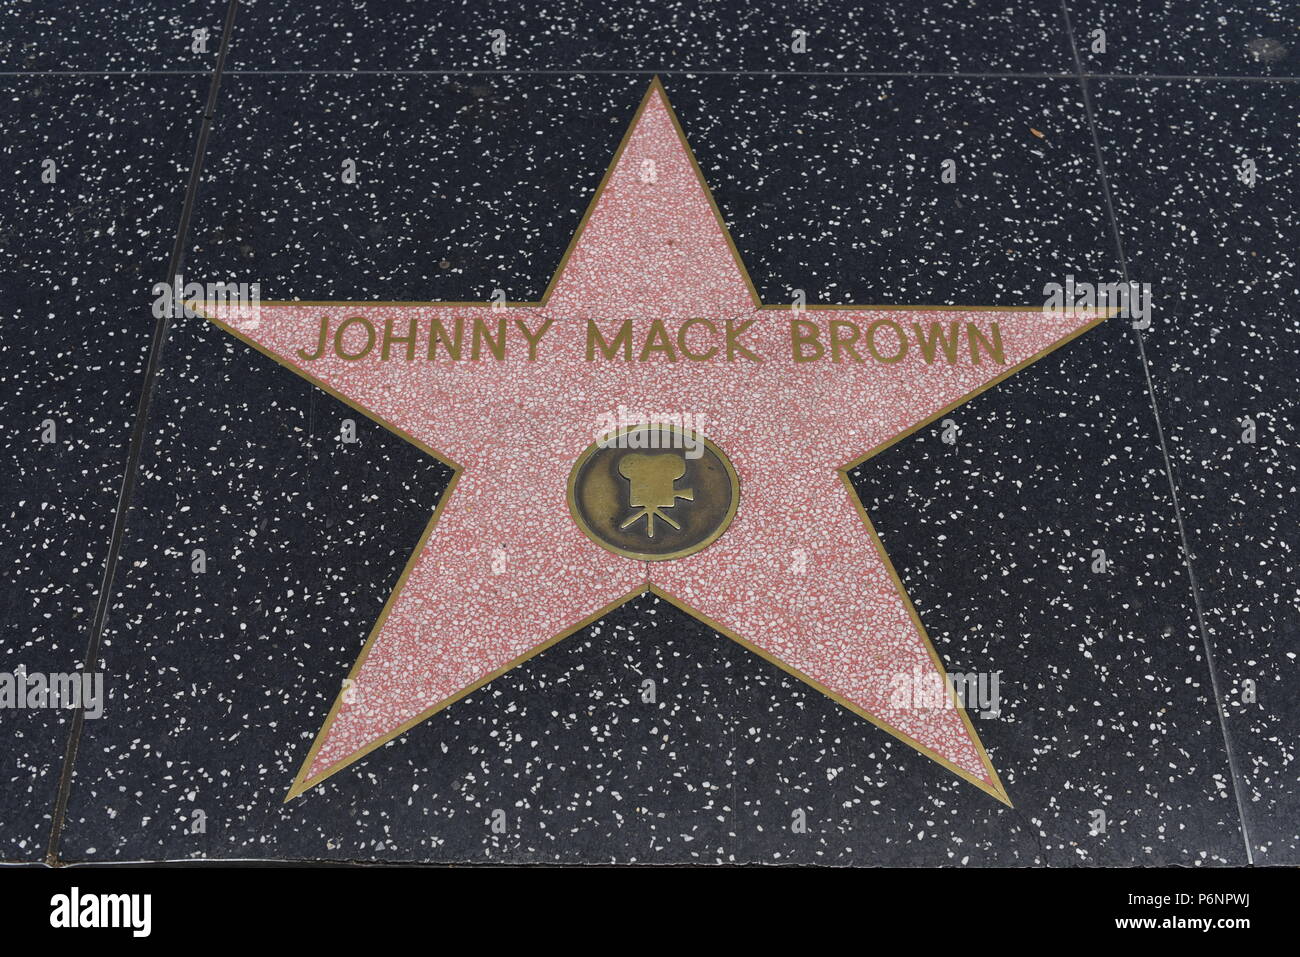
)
(1125, 692)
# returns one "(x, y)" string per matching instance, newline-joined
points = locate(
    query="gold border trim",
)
(303, 782)
(642, 556)
(1018, 367)
(996, 790)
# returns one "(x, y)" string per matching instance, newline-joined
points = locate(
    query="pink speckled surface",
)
(505, 568)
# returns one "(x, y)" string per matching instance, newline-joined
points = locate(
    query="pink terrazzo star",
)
(503, 571)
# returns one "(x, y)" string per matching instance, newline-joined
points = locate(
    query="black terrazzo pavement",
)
(1106, 700)
(1221, 255)
(1255, 38)
(217, 681)
(77, 259)
(569, 35)
(110, 35)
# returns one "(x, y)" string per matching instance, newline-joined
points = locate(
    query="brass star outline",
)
(304, 782)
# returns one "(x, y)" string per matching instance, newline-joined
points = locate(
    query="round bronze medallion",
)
(653, 492)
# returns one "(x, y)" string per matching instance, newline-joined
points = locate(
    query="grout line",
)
(685, 71)
(1207, 644)
(137, 439)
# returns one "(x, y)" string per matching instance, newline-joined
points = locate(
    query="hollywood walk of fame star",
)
(503, 570)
